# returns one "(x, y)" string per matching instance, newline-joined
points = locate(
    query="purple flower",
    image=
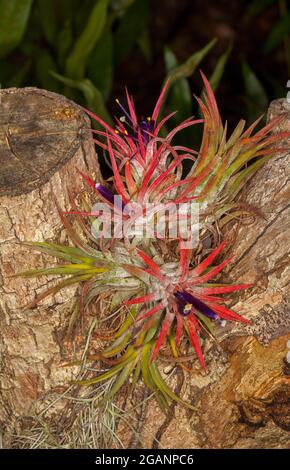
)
(147, 129)
(131, 127)
(109, 196)
(187, 301)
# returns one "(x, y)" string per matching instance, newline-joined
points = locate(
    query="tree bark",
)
(43, 140)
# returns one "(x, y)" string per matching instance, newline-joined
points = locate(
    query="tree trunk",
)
(43, 140)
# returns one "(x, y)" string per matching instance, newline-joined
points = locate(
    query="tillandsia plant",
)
(163, 293)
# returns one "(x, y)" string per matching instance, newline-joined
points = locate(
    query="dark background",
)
(186, 26)
(37, 37)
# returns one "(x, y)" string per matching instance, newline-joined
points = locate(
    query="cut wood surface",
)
(43, 140)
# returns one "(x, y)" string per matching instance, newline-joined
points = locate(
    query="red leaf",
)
(87, 179)
(211, 273)
(159, 101)
(179, 327)
(163, 332)
(227, 314)
(225, 289)
(195, 342)
(118, 181)
(151, 312)
(155, 268)
(207, 261)
(140, 300)
(131, 108)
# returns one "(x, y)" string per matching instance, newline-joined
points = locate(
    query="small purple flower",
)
(147, 129)
(187, 301)
(131, 127)
(105, 193)
(112, 198)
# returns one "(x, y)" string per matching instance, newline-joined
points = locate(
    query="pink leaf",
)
(159, 102)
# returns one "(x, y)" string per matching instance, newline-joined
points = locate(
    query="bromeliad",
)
(148, 168)
(182, 297)
(160, 294)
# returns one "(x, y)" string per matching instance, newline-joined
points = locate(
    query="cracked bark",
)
(43, 139)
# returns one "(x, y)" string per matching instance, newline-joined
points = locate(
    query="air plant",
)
(149, 168)
(183, 296)
(155, 286)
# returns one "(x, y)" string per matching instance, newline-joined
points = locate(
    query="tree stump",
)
(43, 140)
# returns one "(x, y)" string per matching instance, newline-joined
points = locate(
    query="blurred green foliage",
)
(13, 20)
(69, 46)
(281, 28)
(256, 97)
(73, 47)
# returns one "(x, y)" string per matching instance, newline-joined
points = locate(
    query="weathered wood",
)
(43, 140)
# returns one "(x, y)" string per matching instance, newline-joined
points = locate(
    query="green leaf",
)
(17, 79)
(172, 342)
(53, 290)
(243, 176)
(169, 59)
(118, 346)
(65, 270)
(144, 43)
(180, 98)
(130, 28)
(219, 68)
(145, 361)
(111, 372)
(69, 253)
(13, 20)
(165, 389)
(77, 60)
(257, 6)
(128, 321)
(206, 321)
(64, 41)
(256, 97)
(278, 33)
(136, 376)
(121, 379)
(100, 378)
(189, 66)
(148, 379)
(47, 19)
(92, 95)
(100, 68)
(44, 66)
